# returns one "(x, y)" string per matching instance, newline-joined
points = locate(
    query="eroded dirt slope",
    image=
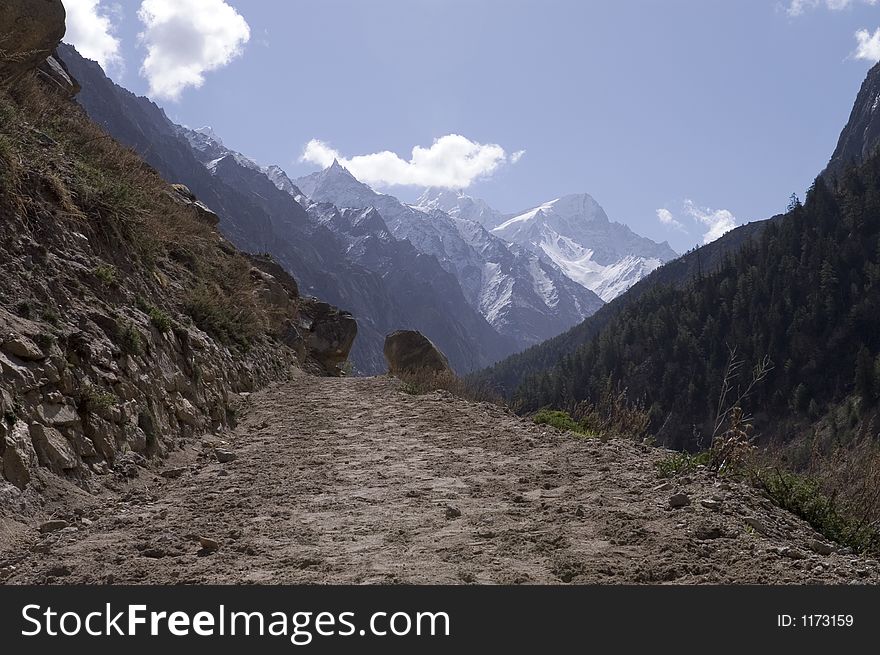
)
(354, 481)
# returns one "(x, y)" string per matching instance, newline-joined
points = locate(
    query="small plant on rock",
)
(95, 399)
(51, 317)
(130, 340)
(160, 320)
(733, 449)
(106, 274)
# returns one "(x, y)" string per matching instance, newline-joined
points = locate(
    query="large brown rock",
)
(53, 450)
(55, 73)
(30, 30)
(19, 458)
(408, 351)
(181, 194)
(330, 336)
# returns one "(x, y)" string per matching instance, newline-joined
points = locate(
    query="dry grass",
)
(55, 161)
(846, 474)
(424, 381)
(614, 415)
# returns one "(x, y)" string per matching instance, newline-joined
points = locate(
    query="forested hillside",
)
(804, 296)
(506, 376)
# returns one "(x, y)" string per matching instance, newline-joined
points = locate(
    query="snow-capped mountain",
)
(575, 234)
(279, 178)
(519, 294)
(458, 205)
(348, 257)
(211, 149)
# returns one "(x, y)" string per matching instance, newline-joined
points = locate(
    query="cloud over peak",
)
(714, 223)
(185, 39)
(452, 161)
(91, 30)
(717, 221)
(665, 216)
(868, 45)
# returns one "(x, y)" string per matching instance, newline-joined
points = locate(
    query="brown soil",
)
(354, 481)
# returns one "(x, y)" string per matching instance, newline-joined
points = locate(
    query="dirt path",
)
(354, 481)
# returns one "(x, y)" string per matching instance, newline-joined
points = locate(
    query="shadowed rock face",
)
(860, 137)
(331, 334)
(408, 351)
(30, 30)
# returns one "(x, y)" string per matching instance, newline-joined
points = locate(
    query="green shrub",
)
(24, 309)
(94, 399)
(222, 317)
(45, 341)
(160, 319)
(106, 274)
(561, 421)
(51, 317)
(130, 340)
(803, 496)
(682, 463)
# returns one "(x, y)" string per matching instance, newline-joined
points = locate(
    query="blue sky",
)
(714, 111)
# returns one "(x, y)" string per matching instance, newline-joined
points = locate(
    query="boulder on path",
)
(331, 334)
(408, 351)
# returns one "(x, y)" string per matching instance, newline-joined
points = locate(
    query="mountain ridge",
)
(258, 217)
(523, 299)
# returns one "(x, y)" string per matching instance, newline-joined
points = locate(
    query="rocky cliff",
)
(127, 323)
(860, 137)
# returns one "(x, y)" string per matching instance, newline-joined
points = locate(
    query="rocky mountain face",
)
(399, 286)
(432, 296)
(259, 212)
(860, 137)
(460, 205)
(575, 234)
(523, 297)
(506, 376)
(127, 323)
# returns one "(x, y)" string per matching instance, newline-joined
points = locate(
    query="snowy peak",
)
(458, 205)
(521, 295)
(569, 215)
(209, 133)
(337, 185)
(210, 149)
(354, 223)
(282, 181)
(574, 232)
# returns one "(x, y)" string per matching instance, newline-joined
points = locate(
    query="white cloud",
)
(868, 45)
(798, 7)
(452, 162)
(90, 29)
(718, 221)
(186, 39)
(665, 216)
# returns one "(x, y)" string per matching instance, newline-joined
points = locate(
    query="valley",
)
(213, 372)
